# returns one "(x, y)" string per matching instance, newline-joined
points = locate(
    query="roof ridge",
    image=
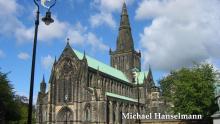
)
(105, 68)
(98, 61)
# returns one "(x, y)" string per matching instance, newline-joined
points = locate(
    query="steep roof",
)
(95, 64)
(121, 97)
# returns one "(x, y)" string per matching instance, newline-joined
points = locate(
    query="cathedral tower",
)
(125, 58)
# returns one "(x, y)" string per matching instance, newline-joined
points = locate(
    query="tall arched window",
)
(120, 117)
(113, 117)
(69, 88)
(87, 113)
(65, 115)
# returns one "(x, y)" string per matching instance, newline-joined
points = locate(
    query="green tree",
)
(13, 108)
(22, 103)
(191, 90)
(9, 107)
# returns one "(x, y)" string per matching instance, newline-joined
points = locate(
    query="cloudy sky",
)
(170, 33)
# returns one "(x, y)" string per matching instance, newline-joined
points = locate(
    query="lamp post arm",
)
(30, 105)
(52, 5)
(35, 2)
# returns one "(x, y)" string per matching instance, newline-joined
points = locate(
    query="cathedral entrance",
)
(65, 116)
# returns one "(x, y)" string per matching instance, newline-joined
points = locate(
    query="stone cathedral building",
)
(83, 90)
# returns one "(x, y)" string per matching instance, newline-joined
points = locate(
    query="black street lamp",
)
(47, 20)
(136, 74)
(138, 90)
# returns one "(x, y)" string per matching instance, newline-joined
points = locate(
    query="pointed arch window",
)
(120, 117)
(113, 116)
(87, 113)
(65, 115)
(123, 45)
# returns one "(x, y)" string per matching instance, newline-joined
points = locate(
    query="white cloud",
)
(80, 36)
(2, 54)
(102, 18)
(74, 3)
(9, 7)
(76, 34)
(47, 61)
(181, 32)
(106, 8)
(110, 5)
(23, 56)
(12, 26)
(95, 42)
(8, 21)
(46, 33)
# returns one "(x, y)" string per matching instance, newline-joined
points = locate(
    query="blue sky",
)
(170, 33)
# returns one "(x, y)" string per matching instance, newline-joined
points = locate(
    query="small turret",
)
(150, 80)
(55, 60)
(68, 44)
(150, 76)
(43, 86)
(84, 55)
(68, 51)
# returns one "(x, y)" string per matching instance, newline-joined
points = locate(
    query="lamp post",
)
(47, 20)
(66, 100)
(136, 74)
(139, 121)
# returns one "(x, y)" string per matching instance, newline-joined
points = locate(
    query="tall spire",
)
(124, 17)
(125, 40)
(124, 9)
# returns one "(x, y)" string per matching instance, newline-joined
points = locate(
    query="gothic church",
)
(83, 90)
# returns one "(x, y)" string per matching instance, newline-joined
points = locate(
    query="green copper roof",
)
(120, 97)
(95, 64)
(141, 77)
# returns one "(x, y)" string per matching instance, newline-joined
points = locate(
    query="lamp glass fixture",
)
(47, 19)
(48, 4)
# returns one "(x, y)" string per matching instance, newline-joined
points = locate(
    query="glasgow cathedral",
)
(83, 90)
